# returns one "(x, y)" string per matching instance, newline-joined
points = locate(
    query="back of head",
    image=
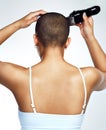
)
(52, 29)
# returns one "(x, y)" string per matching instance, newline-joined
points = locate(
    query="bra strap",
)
(85, 92)
(31, 93)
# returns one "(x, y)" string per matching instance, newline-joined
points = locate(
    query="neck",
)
(53, 54)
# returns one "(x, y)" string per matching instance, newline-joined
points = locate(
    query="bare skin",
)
(97, 54)
(57, 85)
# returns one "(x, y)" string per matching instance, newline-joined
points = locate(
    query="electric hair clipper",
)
(76, 17)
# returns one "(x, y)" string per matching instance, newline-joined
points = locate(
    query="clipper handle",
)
(77, 16)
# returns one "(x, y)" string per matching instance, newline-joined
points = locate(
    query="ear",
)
(68, 42)
(35, 40)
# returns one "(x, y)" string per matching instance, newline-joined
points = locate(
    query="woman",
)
(52, 94)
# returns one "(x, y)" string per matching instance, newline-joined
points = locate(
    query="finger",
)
(39, 12)
(90, 20)
(80, 25)
(35, 15)
(85, 18)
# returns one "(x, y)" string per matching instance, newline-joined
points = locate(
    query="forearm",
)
(24, 22)
(97, 54)
(7, 31)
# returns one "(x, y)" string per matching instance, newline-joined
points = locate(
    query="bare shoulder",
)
(11, 74)
(92, 77)
(6, 66)
(92, 71)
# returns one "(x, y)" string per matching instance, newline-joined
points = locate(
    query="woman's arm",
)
(97, 54)
(24, 22)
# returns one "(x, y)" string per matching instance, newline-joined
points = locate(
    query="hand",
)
(24, 22)
(30, 18)
(86, 27)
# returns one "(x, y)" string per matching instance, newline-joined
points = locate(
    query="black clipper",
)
(76, 17)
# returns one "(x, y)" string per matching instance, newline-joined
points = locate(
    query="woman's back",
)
(58, 91)
(57, 99)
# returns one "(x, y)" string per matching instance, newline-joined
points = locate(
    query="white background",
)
(19, 49)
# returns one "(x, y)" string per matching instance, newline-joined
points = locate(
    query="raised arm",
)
(24, 22)
(97, 54)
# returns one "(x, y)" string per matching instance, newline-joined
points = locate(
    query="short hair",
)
(52, 29)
